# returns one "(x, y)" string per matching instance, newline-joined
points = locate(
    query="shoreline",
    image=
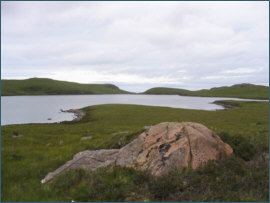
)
(225, 105)
(78, 113)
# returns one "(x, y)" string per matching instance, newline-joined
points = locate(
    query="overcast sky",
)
(137, 45)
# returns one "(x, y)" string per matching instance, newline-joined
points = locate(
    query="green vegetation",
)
(42, 148)
(168, 91)
(237, 91)
(44, 86)
(231, 179)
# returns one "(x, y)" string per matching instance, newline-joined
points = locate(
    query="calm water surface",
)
(46, 109)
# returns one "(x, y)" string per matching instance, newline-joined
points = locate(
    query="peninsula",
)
(46, 86)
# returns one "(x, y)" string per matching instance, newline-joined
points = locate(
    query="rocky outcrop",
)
(160, 149)
(87, 138)
(77, 113)
(167, 146)
(86, 159)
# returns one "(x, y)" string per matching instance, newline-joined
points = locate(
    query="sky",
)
(137, 45)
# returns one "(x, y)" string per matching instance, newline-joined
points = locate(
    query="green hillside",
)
(238, 91)
(44, 86)
(167, 90)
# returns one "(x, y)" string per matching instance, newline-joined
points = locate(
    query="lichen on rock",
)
(160, 149)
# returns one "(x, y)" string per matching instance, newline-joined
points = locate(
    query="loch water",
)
(47, 108)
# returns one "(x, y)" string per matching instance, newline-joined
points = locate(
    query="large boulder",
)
(160, 149)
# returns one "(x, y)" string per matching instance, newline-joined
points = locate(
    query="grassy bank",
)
(237, 91)
(42, 148)
(44, 86)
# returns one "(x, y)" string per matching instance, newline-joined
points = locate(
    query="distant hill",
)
(167, 90)
(247, 91)
(45, 86)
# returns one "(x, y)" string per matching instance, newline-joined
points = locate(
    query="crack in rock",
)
(163, 148)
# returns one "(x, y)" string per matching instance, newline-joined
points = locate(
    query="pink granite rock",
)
(160, 149)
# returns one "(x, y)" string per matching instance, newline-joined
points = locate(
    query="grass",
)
(246, 91)
(231, 179)
(44, 86)
(44, 147)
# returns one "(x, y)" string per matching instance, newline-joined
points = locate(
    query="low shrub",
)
(229, 179)
(242, 146)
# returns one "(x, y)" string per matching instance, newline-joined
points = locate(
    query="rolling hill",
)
(45, 86)
(247, 91)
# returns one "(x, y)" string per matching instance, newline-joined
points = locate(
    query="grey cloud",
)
(177, 44)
